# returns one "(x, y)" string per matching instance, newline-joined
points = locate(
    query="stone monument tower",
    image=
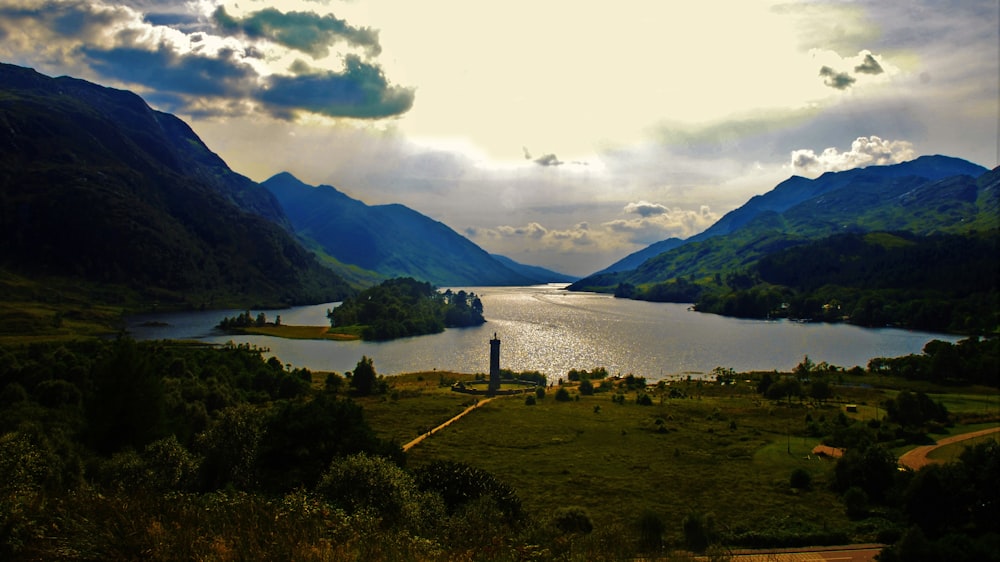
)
(494, 365)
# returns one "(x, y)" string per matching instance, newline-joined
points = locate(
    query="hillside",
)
(721, 273)
(889, 198)
(391, 240)
(99, 191)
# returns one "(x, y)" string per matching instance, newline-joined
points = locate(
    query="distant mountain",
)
(540, 274)
(98, 187)
(391, 240)
(931, 194)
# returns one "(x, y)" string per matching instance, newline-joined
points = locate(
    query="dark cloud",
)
(838, 80)
(869, 66)
(361, 91)
(75, 19)
(303, 31)
(646, 209)
(548, 160)
(166, 71)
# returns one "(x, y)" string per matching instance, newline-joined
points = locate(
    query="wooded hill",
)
(931, 196)
(98, 189)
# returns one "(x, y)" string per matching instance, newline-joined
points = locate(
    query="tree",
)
(820, 390)
(364, 380)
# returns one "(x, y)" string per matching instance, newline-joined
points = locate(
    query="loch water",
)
(548, 329)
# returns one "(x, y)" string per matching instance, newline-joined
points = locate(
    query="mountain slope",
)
(97, 186)
(392, 240)
(797, 189)
(944, 199)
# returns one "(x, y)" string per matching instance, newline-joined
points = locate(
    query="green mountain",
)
(920, 201)
(99, 192)
(391, 240)
(927, 195)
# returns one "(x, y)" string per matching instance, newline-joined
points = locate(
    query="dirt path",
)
(917, 458)
(423, 436)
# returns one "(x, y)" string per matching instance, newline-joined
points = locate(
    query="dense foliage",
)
(406, 307)
(936, 283)
(970, 361)
(126, 450)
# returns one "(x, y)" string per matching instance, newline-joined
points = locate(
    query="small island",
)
(397, 308)
(404, 307)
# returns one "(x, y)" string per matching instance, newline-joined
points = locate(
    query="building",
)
(494, 365)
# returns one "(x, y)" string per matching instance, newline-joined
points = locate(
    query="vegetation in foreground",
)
(125, 450)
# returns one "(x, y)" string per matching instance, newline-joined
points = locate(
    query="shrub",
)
(459, 484)
(586, 387)
(800, 479)
(856, 502)
(698, 531)
(540, 392)
(651, 528)
(572, 519)
(562, 395)
(529, 401)
(643, 399)
(367, 483)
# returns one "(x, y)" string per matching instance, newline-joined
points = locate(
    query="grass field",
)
(721, 450)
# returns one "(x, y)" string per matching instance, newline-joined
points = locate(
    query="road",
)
(423, 436)
(917, 458)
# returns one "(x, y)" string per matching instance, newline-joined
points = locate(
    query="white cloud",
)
(865, 151)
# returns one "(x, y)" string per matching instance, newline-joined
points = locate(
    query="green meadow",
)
(719, 451)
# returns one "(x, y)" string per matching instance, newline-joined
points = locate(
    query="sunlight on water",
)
(546, 329)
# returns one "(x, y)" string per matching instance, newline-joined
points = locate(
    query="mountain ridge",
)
(99, 187)
(765, 212)
(392, 239)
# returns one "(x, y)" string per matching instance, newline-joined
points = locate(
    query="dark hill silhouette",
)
(96, 185)
(392, 240)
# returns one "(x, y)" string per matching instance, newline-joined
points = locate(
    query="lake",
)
(547, 329)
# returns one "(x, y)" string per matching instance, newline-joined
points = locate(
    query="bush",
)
(800, 479)
(856, 502)
(529, 401)
(562, 395)
(643, 399)
(572, 519)
(365, 483)
(651, 528)
(459, 484)
(698, 531)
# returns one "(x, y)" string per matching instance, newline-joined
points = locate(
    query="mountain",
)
(98, 189)
(635, 259)
(932, 194)
(541, 274)
(797, 189)
(391, 240)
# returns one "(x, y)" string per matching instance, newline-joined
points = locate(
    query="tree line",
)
(405, 307)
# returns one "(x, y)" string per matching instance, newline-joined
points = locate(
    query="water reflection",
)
(546, 329)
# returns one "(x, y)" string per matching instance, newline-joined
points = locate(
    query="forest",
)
(941, 283)
(405, 307)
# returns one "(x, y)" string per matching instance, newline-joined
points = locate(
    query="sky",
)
(561, 133)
